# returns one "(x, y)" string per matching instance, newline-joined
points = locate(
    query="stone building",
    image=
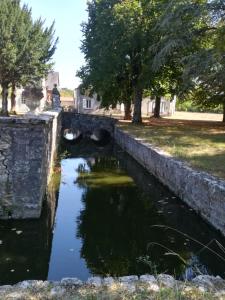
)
(167, 107)
(36, 98)
(84, 103)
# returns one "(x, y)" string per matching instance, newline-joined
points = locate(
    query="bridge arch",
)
(92, 126)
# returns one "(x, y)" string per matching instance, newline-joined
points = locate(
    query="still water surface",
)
(108, 207)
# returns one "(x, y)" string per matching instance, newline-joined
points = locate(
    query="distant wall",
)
(27, 149)
(204, 193)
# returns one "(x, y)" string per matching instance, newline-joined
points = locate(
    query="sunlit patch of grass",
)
(56, 178)
(203, 146)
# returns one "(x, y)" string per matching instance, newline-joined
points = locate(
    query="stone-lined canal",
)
(112, 218)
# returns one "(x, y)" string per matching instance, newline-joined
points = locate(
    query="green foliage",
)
(26, 47)
(193, 33)
(191, 106)
(104, 71)
(116, 42)
(165, 47)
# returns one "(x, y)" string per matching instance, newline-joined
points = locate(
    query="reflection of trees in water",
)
(100, 163)
(179, 216)
(101, 172)
(115, 226)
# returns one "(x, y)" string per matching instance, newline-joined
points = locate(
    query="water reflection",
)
(26, 245)
(188, 233)
(108, 206)
(65, 260)
(116, 223)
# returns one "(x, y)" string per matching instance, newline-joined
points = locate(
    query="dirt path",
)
(196, 116)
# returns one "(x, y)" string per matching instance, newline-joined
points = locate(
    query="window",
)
(87, 103)
(23, 99)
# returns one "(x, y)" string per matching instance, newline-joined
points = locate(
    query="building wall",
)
(80, 100)
(167, 107)
(35, 99)
(52, 78)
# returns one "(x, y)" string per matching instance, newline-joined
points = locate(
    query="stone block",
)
(26, 158)
(95, 281)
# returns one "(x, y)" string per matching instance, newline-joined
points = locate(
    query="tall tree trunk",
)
(127, 111)
(157, 107)
(13, 98)
(5, 88)
(224, 112)
(137, 106)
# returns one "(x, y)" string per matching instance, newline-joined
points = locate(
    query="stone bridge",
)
(87, 124)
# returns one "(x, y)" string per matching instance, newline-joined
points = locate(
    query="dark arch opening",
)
(71, 136)
(101, 137)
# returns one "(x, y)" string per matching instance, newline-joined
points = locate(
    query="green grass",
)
(200, 144)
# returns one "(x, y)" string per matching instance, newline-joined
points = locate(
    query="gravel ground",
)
(182, 115)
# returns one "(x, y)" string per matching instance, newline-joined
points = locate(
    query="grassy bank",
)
(200, 143)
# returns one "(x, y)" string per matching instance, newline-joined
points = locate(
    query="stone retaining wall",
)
(129, 287)
(27, 148)
(204, 193)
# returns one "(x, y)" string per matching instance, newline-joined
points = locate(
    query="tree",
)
(208, 75)
(193, 33)
(26, 48)
(116, 47)
(103, 72)
(120, 43)
(167, 51)
(133, 20)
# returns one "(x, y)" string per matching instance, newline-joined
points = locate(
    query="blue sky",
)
(68, 16)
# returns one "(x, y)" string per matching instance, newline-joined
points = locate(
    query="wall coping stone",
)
(130, 284)
(43, 118)
(25, 120)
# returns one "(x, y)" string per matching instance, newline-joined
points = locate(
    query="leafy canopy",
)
(26, 46)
